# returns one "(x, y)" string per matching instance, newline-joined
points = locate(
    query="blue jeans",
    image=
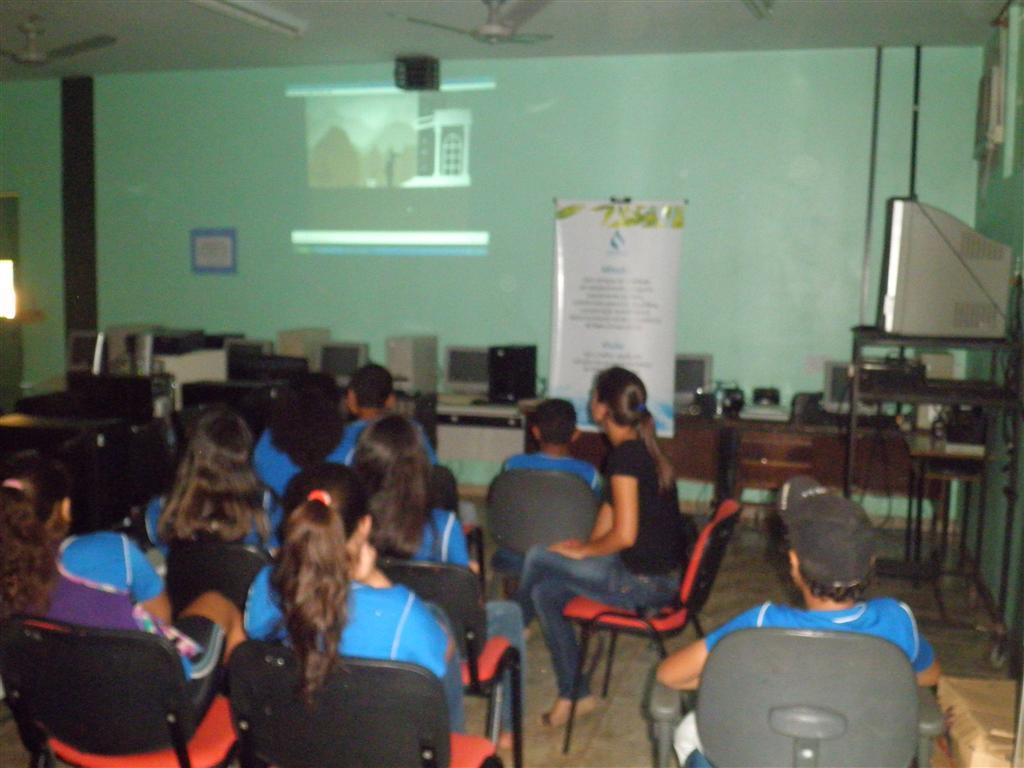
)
(504, 618)
(452, 679)
(507, 562)
(550, 581)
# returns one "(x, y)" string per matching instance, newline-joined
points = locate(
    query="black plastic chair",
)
(694, 590)
(106, 698)
(456, 591)
(195, 567)
(528, 507)
(805, 698)
(368, 713)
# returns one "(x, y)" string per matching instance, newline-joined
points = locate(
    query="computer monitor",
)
(239, 351)
(85, 351)
(341, 359)
(693, 376)
(465, 370)
(303, 342)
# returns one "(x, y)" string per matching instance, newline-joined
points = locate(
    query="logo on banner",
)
(616, 244)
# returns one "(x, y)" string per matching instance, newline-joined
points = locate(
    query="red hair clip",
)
(15, 483)
(322, 496)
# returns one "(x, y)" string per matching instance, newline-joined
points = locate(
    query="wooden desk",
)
(708, 451)
(935, 464)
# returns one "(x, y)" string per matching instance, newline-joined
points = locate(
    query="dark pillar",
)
(79, 201)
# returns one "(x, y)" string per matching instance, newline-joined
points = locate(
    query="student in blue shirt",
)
(390, 461)
(305, 429)
(98, 579)
(327, 597)
(216, 496)
(554, 428)
(831, 553)
(371, 395)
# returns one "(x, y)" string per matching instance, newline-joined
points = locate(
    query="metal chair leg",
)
(517, 712)
(608, 665)
(584, 643)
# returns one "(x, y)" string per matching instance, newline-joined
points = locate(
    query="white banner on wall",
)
(616, 278)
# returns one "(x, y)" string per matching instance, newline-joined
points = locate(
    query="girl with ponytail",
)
(635, 551)
(395, 470)
(327, 597)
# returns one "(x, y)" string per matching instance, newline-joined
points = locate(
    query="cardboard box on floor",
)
(980, 719)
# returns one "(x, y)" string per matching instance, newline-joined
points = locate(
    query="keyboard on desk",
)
(765, 413)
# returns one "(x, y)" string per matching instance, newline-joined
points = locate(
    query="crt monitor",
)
(239, 351)
(341, 359)
(85, 351)
(465, 370)
(692, 376)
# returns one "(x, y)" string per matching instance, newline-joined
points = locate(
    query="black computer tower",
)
(95, 452)
(511, 373)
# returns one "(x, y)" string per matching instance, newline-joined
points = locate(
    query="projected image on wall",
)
(388, 171)
(390, 140)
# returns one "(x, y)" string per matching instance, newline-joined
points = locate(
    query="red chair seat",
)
(488, 660)
(470, 751)
(208, 747)
(585, 609)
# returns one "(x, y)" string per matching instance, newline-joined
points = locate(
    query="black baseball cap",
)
(833, 538)
(796, 491)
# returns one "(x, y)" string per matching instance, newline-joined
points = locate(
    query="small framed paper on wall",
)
(214, 251)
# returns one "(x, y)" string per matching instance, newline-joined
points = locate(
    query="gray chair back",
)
(806, 698)
(526, 507)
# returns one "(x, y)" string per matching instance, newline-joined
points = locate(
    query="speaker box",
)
(417, 73)
(511, 373)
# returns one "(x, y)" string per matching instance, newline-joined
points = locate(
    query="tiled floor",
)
(616, 734)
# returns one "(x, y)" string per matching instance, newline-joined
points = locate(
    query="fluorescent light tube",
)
(8, 299)
(259, 13)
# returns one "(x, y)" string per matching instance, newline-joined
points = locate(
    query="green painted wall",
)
(1000, 214)
(30, 168)
(771, 150)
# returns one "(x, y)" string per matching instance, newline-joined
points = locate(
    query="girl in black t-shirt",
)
(634, 553)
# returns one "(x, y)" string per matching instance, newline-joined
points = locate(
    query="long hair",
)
(625, 395)
(311, 576)
(306, 423)
(391, 463)
(30, 490)
(215, 490)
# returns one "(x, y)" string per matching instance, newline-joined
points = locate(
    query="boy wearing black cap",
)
(831, 552)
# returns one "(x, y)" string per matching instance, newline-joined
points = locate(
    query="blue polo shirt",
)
(112, 562)
(443, 540)
(389, 623)
(586, 471)
(882, 617)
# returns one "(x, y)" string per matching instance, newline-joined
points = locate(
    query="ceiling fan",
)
(504, 17)
(32, 54)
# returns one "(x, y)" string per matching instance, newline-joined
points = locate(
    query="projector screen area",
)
(399, 155)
